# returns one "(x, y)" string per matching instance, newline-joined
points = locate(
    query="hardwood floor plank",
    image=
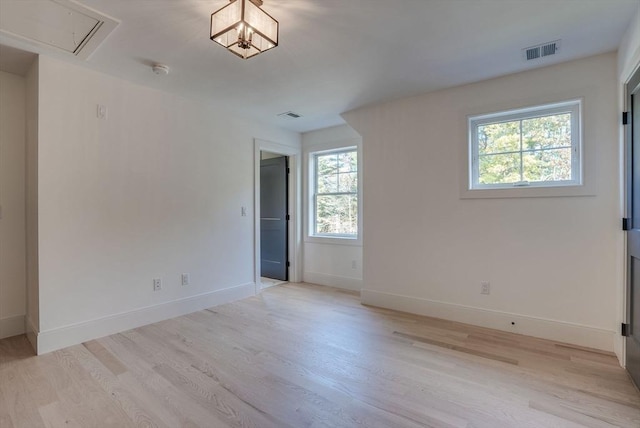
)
(158, 389)
(40, 389)
(301, 355)
(365, 374)
(5, 417)
(458, 348)
(105, 357)
(275, 391)
(56, 415)
(110, 383)
(572, 348)
(19, 403)
(85, 398)
(570, 415)
(253, 362)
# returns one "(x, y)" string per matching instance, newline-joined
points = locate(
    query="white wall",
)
(12, 203)
(629, 51)
(552, 262)
(327, 261)
(153, 191)
(33, 297)
(628, 62)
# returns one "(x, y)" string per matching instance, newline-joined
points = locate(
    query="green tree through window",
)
(336, 193)
(537, 146)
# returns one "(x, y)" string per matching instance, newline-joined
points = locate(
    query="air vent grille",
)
(289, 115)
(540, 51)
(533, 53)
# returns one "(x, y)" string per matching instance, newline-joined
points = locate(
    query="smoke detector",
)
(160, 69)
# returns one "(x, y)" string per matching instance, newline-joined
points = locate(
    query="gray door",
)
(273, 218)
(633, 235)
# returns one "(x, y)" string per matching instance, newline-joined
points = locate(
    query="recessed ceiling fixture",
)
(244, 28)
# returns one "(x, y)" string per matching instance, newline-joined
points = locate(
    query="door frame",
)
(295, 199)
(631, 83)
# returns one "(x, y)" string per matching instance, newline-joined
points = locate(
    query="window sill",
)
(334, 240)
(528, 192)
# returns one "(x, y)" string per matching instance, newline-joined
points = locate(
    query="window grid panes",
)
(336, 194)
(533, 147)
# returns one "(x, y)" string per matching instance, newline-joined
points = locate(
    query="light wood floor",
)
(310, 356)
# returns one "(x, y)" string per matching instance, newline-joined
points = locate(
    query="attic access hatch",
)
(62, 24)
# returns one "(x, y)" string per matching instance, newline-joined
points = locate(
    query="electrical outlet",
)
(101, 112)
(485, 287)
(157, 284)
(354, 265)
(185, 279)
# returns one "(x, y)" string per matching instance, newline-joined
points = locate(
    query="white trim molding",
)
(573, 108)
(61, 337)
(559, 331)
(12, 326)
(308, 181)
(587, 150)
(295, 210)
(32, 333)
(344, 282)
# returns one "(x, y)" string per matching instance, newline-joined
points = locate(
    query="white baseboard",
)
(32, 333)
(51, 340)
(619, 347)
(268, 283)
(531, 326)
(11, 326)
(345, 282)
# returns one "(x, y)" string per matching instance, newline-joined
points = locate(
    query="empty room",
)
(319, 213)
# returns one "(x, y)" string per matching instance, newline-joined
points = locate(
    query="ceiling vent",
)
(540, 51)
(289, 115)
(63, 25)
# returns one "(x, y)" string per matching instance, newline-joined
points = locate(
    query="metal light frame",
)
(244, 28)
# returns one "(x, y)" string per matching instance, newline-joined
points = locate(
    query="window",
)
(335, 193)
(533, 147)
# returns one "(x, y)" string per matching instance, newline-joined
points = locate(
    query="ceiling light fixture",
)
(244, 28)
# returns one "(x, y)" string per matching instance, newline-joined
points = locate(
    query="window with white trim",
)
(533, 147)
(335, 193)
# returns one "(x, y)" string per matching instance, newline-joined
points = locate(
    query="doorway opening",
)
(277, 224)
(632, 183)
(274, 218)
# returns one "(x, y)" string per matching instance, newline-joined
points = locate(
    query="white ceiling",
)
(336, 55)
(15, 61)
